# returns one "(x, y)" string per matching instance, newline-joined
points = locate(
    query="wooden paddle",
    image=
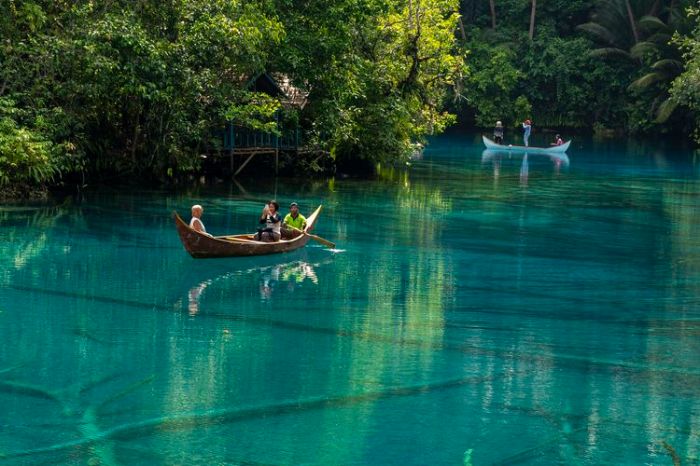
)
(323, 241)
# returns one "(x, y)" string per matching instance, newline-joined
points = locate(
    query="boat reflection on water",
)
(270, 278)
(497, 158)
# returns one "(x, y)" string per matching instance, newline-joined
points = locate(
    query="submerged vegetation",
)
(93, 90)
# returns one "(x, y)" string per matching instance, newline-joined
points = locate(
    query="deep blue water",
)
(479, 309)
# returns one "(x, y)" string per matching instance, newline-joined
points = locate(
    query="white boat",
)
(533, 150)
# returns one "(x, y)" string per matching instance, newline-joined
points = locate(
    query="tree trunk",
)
(461, 29)
(670, 11)
(492, 4)
(655, 8)
(532, 19)
(633, 24)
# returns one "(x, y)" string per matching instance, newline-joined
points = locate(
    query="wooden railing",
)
(237, 137)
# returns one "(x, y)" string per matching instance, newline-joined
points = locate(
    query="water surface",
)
(480, 309)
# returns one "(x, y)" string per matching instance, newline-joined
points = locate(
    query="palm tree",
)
(644, 42)
(666, 64)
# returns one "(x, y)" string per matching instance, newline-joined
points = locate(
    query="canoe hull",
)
(535, 150)
(202, 246)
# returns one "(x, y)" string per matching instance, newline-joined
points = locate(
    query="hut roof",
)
(279, 85)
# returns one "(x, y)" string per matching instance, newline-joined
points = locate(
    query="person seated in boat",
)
(498, 133)
(293, 220)
(558, 141)
(272, 221)
(196, 221)
(527, 128)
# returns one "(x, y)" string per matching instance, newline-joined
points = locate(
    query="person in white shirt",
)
(196, 222)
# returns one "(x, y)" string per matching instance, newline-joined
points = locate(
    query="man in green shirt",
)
(294, 219)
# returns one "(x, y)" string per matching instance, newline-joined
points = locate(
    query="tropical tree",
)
(378, 80)
(639, 34)
(663, 63)
(685, 90)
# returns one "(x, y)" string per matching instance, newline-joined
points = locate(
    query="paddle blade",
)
(325, 242)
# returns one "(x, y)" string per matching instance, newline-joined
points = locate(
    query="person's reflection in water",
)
(299, 272)
(268, 281)
(524, 171)
(293, 273)
(557, 164)
(496, 170)
(194, 295)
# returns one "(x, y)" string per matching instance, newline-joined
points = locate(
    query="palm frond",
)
(647, 80)
(668, 65)
(651, 24)
(665, 110)
(601, 33)
(660, 38)
(643, 49)
(610, 52)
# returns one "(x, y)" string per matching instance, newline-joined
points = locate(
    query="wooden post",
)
(232, 141)
(277, 142)
(245, 163)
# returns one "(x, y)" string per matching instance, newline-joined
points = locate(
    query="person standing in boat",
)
(196, 221)
(498, 133)
(527, 128)
(294, 220)
(272, 221)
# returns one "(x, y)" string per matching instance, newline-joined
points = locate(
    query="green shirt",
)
(298, 222)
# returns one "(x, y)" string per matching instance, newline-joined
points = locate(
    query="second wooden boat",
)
(202, 246)
(491, 145)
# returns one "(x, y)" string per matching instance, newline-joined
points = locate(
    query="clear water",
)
(478, 310)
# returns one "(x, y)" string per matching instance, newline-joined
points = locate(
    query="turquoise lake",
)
(479, 309)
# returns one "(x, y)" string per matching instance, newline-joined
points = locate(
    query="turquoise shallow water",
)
(480, 309)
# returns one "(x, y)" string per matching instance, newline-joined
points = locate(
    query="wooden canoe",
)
(535, 150)
(202, 246)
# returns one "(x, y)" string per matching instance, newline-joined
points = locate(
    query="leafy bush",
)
(25, 156)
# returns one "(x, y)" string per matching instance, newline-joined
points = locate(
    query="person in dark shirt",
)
(272, 221)
(498, 133)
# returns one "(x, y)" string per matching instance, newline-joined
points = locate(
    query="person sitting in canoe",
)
(272, 221)
(294, 220)
(196, 222)
(527, 128)
(498, 133)
(558, 141)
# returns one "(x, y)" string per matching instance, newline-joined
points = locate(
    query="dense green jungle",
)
(103, 91)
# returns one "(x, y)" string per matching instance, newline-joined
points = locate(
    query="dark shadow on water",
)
(581, 363)
(188, 421)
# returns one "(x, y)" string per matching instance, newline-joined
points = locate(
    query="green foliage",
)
(492, 87)
(28, 158)
(135, 86)
(590, 64)
(378, 74)
(685, 90)
(25, 156)
(639, 33)
(120, 87)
